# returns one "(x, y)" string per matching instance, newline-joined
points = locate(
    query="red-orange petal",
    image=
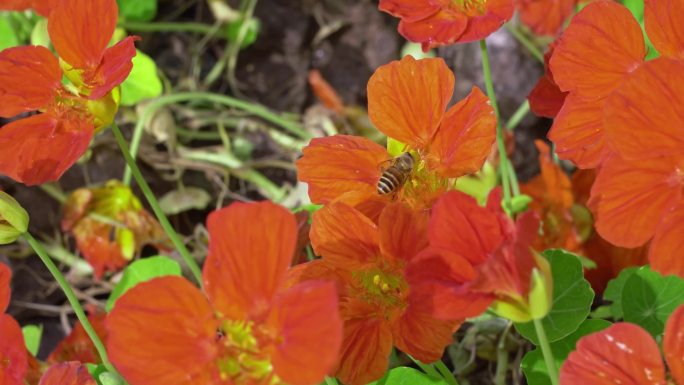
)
(67, 373)
(80, 30)
(546, 99)
(94, 241)
(665, 251)
(673, 344)
(545, 17)
(578, 132)
(29, 79)
(310, 332)
(602, 45)
(325, 92)
(365, 351)
(251, 245)
(409, 10)
(13, 355)
(344, 237)
(15, 5)
(440, 28)
(663, 25)
(630, 198)
(78, 346)
(40, 148)
(407, 99)
(113, 70)
(496, 14)
(339, 164)
(163, 332)
(643, 118)
(465, 137)
(621, 354)
(5, 292)
(403, 232)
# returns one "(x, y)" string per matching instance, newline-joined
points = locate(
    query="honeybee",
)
(394, 176)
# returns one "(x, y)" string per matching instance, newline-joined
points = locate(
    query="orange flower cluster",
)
(41, 147)
(621, 116)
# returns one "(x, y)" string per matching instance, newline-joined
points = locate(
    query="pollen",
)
(470, 7)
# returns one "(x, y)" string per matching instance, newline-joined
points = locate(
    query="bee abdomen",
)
(389, 182)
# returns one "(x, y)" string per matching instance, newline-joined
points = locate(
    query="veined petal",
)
(465, 137)
(29, 79)
(13, 353)
(41, 148)
(78, 346)
(439, 28)
(673, 344)
(251, 246)
(630, 198)
(496, 14)
(366, 347)
(344, 237)
(339, 164)
(113, 70)
(94, 241)
(403, 232)
(163, 332)
(67, 373)
(663, 25)
(409, 10)
(545, 17)
(623, 353)
(310, 332)
(15, 5)
(644, 117)
(546, 99)
(602, 45)
(407, 99)
(665, 251)
(80, 30)
(578, 132)
(5, 292)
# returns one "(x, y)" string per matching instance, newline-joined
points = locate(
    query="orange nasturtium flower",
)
(440, 22)
(13, 354)
(67, 373)
(40, 148)
(110, 225)
(407, 101)
(78, 346)
(546, 98)
(626, 354)
(477, 258)
(248, 327)
(369, 263)
(546, 17)
(42, 7)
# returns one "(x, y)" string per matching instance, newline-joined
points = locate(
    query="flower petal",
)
(310, 328)
(94, 241)
(408, 10)
(546, 99)
(67, 373)
(163, 332)
(440, 28)
(644, 116)
(673, 344)
(578, 132)
(80, 30)
(5, 291)
(663, 25)
(545, 17)
(339, 164)
(251, 246)
(365, 351)
(344, 237)
(13, 353)
(15, 5)
(621, 354)
(407, 99)
(40, 148)
(602, 45)
(497, 13)
(403, 232)
(78, 346)
(630, 198)
(113, 70)
(465, 138)
(29, 79)
(665, 251)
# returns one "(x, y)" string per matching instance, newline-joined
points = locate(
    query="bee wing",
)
(387, 163)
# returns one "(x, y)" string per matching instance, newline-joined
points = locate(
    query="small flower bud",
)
(13, 219)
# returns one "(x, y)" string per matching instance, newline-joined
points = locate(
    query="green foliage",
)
(407, 376)
(253, 26)
(108, 378)
(613, 291)
(178, 201)
(141, 271)
(8, 38)
(533, 363)
(32, 336)
(137, 10)
(142, 83)
(479, 184)
(648, 299)
(572, 298)
(39, 34)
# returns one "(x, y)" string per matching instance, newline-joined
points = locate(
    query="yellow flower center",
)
(470, 7)
(383, 288)
(422, 187)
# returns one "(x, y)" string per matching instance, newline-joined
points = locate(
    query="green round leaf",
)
(533, 364)
(407, 376)
(648, 299)
(137, 10)
(613, 291)
(8, 37)
(32, 336)
(572, 298)
(143, 81)
(141, 271)
(253, 25)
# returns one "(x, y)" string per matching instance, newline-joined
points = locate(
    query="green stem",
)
(446, 373)
(136, 26)
(152, 200)
(73, 300)
(518, 115)
(54, 192)
(503, 156)
(546, 352)
(428, 369)
(502, 357)
(330, 380)
(253, 109)
(527, 43)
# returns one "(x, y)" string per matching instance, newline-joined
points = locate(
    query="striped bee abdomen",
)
(394, 177)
